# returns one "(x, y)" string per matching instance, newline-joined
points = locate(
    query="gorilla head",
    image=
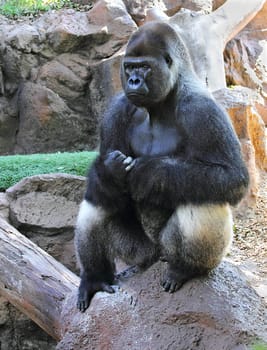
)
(153, 59)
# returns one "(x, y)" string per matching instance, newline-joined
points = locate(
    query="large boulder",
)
(8, 124)
(48, 124)
(217, 312)
(246, 59)
(45, 77)
(44, 208)
(241, 104)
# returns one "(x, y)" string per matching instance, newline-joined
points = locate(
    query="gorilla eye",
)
(168, 60)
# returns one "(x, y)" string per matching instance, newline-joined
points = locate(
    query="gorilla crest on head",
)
(169, 168)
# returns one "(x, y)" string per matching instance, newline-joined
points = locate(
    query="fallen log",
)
(32, 280)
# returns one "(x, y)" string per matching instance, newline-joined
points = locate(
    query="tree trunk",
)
(32, 280)
(206, 35)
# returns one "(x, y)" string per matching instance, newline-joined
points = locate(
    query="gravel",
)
(249, 249)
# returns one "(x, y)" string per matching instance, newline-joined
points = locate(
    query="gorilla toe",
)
(88, 290)
(172, 281)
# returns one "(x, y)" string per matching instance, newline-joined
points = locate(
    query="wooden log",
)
(234, 15)
(32, 280)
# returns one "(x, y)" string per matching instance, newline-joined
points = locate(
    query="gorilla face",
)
(148, 70)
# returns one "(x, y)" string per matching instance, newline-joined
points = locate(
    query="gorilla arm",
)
(210, 170)
(107, 184)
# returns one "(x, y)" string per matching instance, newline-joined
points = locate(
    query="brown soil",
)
(249, 249)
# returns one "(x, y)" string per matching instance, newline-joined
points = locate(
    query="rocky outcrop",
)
(219, 312)
(44, 208)
(17, 331)
(58, 73)
(241, 104)
(47, 68)
(246, 60)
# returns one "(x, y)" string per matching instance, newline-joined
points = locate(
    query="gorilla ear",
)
(168, 59)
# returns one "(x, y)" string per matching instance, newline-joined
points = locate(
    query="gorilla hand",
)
(148, 182)
(118, 165)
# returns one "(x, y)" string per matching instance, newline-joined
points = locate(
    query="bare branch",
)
(234, 15)
(206, 36)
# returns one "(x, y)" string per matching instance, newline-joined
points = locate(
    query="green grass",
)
(15, 168)
(13, 8)
(262, 346)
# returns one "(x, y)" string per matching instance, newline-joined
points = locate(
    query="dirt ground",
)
(249, 249)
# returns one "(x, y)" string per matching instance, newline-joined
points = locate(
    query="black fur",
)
(183, 151)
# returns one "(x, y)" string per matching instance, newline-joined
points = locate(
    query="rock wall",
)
(48, 68)
(246, 59)
(58, 72)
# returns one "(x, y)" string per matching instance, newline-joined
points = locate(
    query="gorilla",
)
(169, 168)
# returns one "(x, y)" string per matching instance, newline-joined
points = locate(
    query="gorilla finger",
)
(166, 285)
(107, 288)
(120, 159)
(82, 305)
(119, 155)
(127, 160)
(173, 287)
(114, 155)
(131, 165)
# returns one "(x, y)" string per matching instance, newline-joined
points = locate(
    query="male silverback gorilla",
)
(169, 166)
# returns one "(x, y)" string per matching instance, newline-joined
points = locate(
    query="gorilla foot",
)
(128, 273)
(88, 289)
(173, 280)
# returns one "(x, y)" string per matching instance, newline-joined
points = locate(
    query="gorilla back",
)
(169, 168)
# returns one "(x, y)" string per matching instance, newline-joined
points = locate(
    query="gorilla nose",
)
(135, 83)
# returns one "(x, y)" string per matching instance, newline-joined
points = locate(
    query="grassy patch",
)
(15, 168)
(13, 8)
(262, 346)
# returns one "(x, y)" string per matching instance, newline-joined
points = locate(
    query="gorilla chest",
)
(155, 139)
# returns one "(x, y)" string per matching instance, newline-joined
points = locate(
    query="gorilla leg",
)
(194, 241)
(101, 237)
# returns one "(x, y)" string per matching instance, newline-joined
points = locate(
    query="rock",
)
(219, 312)
(173, 6)
(217, 3)
(45, 76)
(19, 332)
(4, 206)
(114, 17)
(241, 104)
(44, 208)
(246, 58)
(8, 124)
(105, 83)
(138, 9)
(47, 124)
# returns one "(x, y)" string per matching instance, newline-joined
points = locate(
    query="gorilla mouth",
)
(137, 98)
(136, 95)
